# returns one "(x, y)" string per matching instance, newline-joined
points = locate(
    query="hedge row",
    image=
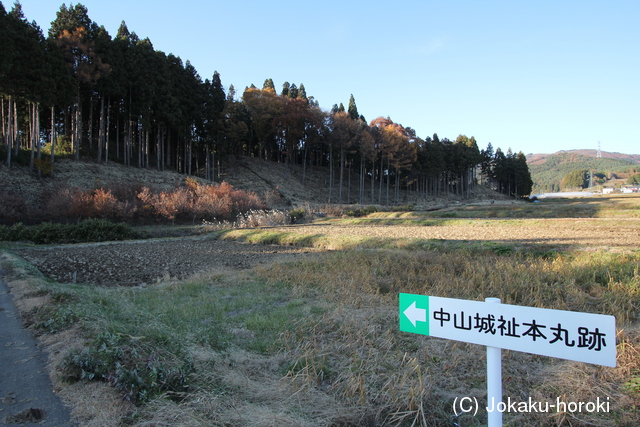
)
(91, 230)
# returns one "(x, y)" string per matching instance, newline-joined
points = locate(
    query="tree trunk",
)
(101, 129)
(3, 124)
(189, 157)
(106, 138)
(16, 134)
(37, 136)
(162, 155)
(158, 149)
(373, 181)
(397, 192)
(9, 130)
(139, 143)
(330, 172)
(118, 135)
(349, 184)
(53, 133)
(126, 143)
(33, 133)
(361, 182)
(90, 130)
(77, 127)
(388, 178)
(146, 148)
(341, 174)
(184, 159)
(213, 166)
(304, 165)
(168, 153)
(207, 166)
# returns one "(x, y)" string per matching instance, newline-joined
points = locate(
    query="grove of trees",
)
(79, 92)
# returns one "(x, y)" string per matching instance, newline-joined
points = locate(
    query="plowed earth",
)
(147, 262)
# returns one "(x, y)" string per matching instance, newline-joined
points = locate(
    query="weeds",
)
(251, 219)
(316, 342)
(122, 362)
(360, 331)
(57, 319)
(92, 230)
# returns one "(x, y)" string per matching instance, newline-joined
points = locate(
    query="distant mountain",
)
(540, 158)
(548, 170)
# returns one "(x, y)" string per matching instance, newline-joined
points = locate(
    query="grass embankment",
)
(617, 206)
(316, 342)
(91, 230)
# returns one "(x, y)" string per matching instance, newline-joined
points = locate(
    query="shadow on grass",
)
(598, 207)
(323, 241)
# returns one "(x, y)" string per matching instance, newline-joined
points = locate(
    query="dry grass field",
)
(306, 332)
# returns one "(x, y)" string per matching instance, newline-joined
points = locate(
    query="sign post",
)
(494, 378)
(583, 337)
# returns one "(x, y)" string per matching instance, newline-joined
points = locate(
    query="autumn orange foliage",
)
(192, 201)
(199, 201)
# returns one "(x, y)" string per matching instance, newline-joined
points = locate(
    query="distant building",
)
(608, 190)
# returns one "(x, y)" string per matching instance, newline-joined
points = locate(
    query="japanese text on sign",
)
(591, 339)
(569, 335)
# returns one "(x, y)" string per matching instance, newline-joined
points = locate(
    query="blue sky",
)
(533, 76)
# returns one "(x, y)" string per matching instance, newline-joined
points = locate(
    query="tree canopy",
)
(81, 92)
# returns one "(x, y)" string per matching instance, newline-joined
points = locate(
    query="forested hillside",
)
(550, 172)
(79, 92)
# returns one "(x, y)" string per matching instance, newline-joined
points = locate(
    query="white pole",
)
(494, 380)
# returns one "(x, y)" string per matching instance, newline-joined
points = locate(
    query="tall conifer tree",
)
(353, 110)
(285, 89)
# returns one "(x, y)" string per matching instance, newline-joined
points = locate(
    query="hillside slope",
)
(548, 170)
(540, 157)
(281, 186)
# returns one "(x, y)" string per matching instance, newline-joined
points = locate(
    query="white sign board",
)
(583, 337)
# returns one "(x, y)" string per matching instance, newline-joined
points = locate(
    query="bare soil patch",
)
(153, 261)
(146, 262)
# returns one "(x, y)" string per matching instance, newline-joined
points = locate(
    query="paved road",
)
(26, 393)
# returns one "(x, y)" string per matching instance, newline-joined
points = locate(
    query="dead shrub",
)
(210, 206)
(168, 205)
(105, 204)
(98, 203)
(13, 207)
(274, 198)
(81, 205)
(243, 201)
(58, 203)
(221, 202)
(126, 191)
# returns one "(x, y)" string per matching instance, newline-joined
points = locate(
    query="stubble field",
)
(148, 262)
(297, 325)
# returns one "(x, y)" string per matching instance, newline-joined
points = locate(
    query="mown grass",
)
(346, 242)
(316, 342)
(621, 206)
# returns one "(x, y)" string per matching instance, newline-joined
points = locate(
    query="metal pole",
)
(494, 380)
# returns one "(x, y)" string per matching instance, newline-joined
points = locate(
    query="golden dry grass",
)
(316, 342)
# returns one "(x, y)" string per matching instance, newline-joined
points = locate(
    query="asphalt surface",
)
(26, 393)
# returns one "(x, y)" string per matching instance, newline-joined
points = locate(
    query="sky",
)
(533, 76)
